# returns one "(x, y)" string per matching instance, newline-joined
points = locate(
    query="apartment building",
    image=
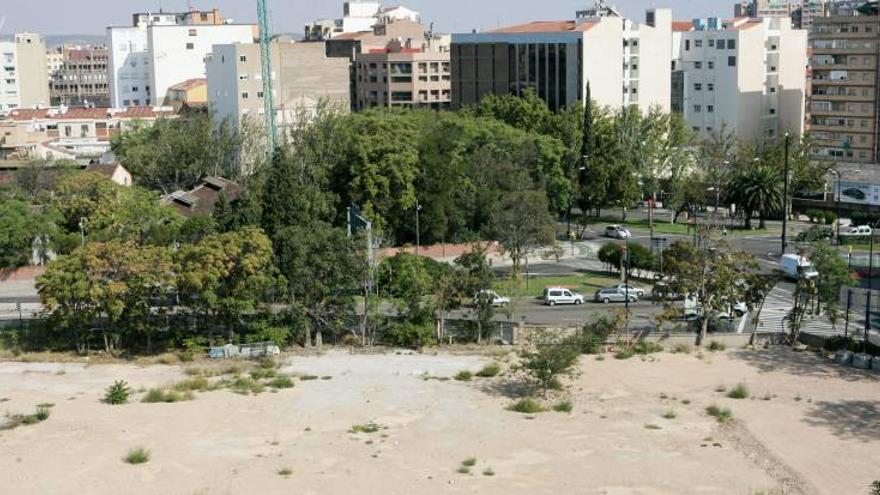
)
(81, 77)
(80, 134)
(556, 60)
(801, 12)
(302, 76)
(746, 76)
(358, 16)
(24, 74)
(164, 49)
(843, 103)
(192, 93)
(400, 76)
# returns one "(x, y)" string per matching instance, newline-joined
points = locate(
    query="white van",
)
(560, 295)
(792, 265)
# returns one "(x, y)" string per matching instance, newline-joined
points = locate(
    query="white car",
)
(793, 266)
(498, 301)
(617, 232)
(629, 289)
(559, 295)
(861, 230)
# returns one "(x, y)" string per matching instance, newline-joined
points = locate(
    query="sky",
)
(55, 17)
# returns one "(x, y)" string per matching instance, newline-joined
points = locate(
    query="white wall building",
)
(162, 50)
(358, 16)
(24, 72)
(747, 75)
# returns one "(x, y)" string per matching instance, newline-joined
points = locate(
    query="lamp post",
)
(837, 206)
(785, 197)
(418, 231)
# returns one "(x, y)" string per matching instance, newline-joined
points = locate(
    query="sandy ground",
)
(819, 432)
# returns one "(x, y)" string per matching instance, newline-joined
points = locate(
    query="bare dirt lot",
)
(807, 428)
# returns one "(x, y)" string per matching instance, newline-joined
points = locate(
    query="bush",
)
(739, 392)
(408, 334)
(643, 348)
(526, 406)
(815, 233)
(716, 346)
(490, 370)
(565, 406)
(681, 349)
(281, 382)
(470, 462)
(464, 376)
(370, 427)
(595, 333)
(875, 488)
(246, 385)
(625, 353)
(42, 413)
(199, 383)
(118, 393)
(139, 455)
(723, 415)
(156, 395)
(548, 362)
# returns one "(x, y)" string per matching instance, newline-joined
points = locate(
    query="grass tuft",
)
(138, 455)
(283, 381)
(464, 470)
(118, 393)
(723, 415)
(565, 406)
(681, 349)
(156, 395)
(464, 376)
(670, 414)
(284, 472)
(307, 378)
(370, 427)
(490, 370)
(652, 426)
(488, 472)
(526, 406)
(740, 391)
(716, 346)
(469, 462)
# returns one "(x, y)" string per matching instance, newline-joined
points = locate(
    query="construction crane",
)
(266, 59)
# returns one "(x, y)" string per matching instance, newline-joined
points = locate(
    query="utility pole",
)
(418, 230)
(785, 198)
(266, 65)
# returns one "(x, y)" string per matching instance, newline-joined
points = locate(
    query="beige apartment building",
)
(24, 72)
(843, 103)
(402, 77)
(81, 77)
(302, 74)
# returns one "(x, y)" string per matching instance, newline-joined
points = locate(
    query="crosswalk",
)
(773, 318)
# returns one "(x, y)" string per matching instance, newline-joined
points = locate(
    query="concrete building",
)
(801, 12)
(161, 50)
(400, 76)
(81, 78)
(556, 59)
(190, 93)
(302, 74)
(745, 75)
(81, 134)
(843, 103)
(24, 80)
(357, 16)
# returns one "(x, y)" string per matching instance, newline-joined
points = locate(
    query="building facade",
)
(357, 16)
(843, 103)
(402, 77)
(24, 80)
(557, 59)
(801, 12)
(161, 50)
(81, 78)
(302, 75)
(746, 76)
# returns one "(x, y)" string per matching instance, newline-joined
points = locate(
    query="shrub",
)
(526, 406)
(670, 414)
(624, 353)
(199, 383)
(739, 392)
(681, 349)
(118, 393)
(490, 370)
(644, 348)
(156, 395)
(564, 406)
(595, 333)
(283, 381)
(464, 470)
(408, 334)
(469, 462)
(370, 427)
(307, 378)
(261, 373)
(723, 415)
(285, 472)
(246, 385)
(548, 362)
(716, 346)
(488, 472)
(42, 413)
(139, 455)
(464, 376)
(875, 488)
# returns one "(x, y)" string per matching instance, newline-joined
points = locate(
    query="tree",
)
(547, 362)
(475, 278)
(64, 290)
(758, 189)
(20, 226)
(834, 275)
(759, 286)
(523, 224)
(411, 282)
(711, 273)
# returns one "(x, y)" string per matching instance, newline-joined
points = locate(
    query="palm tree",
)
(758, 189)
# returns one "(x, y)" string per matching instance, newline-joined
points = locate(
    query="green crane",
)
(266, 59)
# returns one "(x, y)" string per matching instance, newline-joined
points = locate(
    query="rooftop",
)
(545, 27)
(189, 84)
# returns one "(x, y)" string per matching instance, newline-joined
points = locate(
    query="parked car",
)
(613, 295)
(793, 265)
(559, 295)
(854, 193)
(497, 300)
(640, 293)
(861, 230)
(617, 232)
(663, 292)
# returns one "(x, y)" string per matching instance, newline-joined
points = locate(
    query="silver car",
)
(613, 295)
(617, 232)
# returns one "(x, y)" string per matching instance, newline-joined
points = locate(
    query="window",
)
(190, 46)
(731, 44)
(126, 103)
(687, 45)
(698, 65)
(711, 43)
(698, 43)
(242, 77)
(710, 108)
(134, 89)
(68, 131)
(709, 129)
(772, 111)
(193, 32)
(244, 95)
(711, 64)
(720, 45)
(710, 86)
(731, 61)
(698, 108)
(242, 58)
(260, 95)
(83, 130)
(773, 89)
(698, 86)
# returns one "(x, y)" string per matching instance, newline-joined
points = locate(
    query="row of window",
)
(839, 122)
(135, 102)
(841, 28)
(731, 62)
(720, 44)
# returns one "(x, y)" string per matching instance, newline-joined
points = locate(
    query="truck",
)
(794, 266)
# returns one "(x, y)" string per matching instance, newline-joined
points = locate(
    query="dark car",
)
(854, 193)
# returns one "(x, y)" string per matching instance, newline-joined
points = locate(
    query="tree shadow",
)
(785, 360)
(507, 388)
(851, 419)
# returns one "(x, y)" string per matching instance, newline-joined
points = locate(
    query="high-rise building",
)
(556, 60)
(746, 76)
(302, 75)
(801, 12)
(81, 79)
(401, 76)
(24, 73)
(843, 103)
(164, 49)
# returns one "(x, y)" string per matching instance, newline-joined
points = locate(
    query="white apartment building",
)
(746, 76)
(358, 16)
(302, 76)
(24, 72)
(625, 62)
(161, 50)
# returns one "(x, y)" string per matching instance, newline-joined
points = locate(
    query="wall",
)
(128, 66)
(222, 74)
(33, 70)
(603, 59)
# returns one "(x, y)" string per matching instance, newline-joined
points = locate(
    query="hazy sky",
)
(92, 16)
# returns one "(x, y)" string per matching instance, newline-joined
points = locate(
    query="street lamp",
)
(785, 197)
(837, 204)
(418, 232)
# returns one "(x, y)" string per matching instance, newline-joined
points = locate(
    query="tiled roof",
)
(84, 114)
(203, 198)
(140, 113)
(28, 113)
(545, 27)
(105, 169)
(682, 26)
(189, 84)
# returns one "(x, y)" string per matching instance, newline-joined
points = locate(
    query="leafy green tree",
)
(20, 225)
(65, 291)
(834, 275)
(475, 277)
(758, 189)
(547, 362)
(522, 225)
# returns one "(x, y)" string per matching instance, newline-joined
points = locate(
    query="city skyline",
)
(290, 16)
